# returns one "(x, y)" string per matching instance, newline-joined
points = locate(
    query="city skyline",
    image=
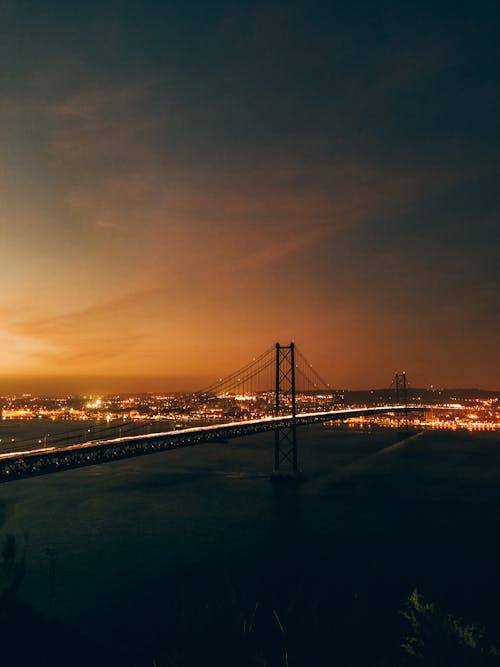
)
(182, 186)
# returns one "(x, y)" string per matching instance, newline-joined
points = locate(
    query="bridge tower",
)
(285, 437)
(401, 388)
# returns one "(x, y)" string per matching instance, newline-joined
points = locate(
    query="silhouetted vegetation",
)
(11, 562)
(27, 637)
(439, 638)
(313, 627)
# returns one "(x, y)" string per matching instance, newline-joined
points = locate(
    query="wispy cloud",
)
(106, 224)
(94, 334)
(275, 250)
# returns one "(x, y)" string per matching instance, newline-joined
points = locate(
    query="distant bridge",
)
(279, 366)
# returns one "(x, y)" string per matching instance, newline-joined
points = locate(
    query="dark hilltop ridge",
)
(419, 394)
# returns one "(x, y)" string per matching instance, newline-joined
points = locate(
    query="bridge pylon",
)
(401, 389)
(285, 437)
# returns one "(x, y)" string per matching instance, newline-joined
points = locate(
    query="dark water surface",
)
(109, 546)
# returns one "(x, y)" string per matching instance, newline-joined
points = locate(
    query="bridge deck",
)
(15, 465)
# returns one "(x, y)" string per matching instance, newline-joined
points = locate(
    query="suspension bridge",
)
(280, 385)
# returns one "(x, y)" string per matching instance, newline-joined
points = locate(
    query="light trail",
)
(249, 425)
(25, 452)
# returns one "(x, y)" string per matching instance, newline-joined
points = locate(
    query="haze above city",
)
(183, 184)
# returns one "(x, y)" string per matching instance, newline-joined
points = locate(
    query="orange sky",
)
(163, 223)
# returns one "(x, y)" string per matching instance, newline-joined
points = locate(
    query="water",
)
(124, 536)
(136, 520)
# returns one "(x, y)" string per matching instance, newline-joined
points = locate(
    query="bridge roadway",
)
(41, 461)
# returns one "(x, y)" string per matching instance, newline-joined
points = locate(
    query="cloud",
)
(106, 224)
(103, 125)
(94, 334)
(276, 250)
